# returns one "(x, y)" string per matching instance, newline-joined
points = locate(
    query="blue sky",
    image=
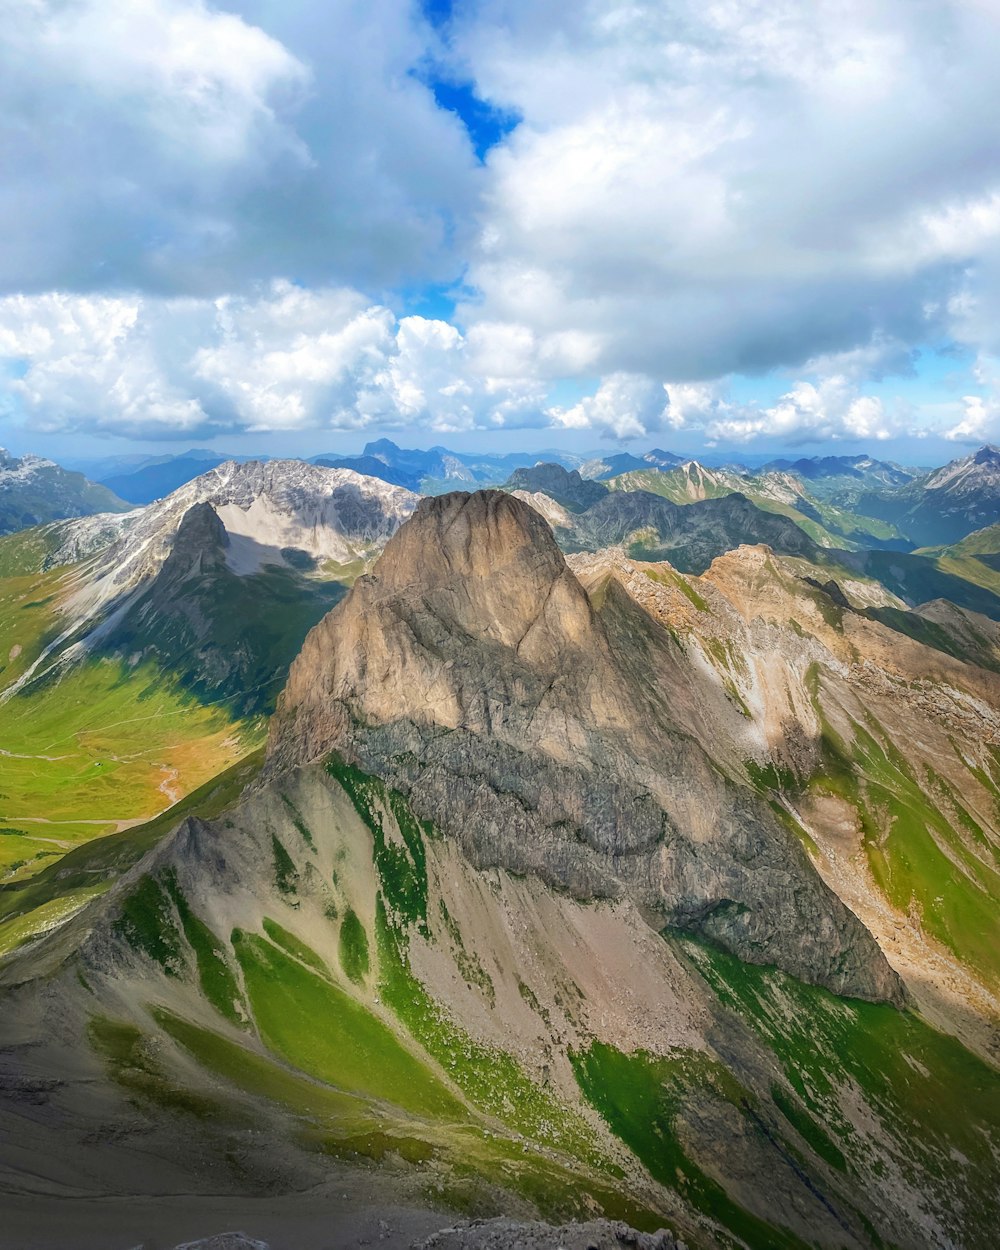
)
(298, 226)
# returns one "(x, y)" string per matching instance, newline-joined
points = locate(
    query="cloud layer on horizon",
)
(212, 218)
(291, 359)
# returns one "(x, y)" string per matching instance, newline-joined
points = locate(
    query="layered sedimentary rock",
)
(471, 672)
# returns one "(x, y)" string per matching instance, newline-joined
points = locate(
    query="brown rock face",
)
(471, 673)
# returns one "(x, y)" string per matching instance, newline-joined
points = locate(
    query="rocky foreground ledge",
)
(497, 1234)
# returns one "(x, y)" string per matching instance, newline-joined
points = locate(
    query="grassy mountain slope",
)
(875, 745)
(317, 960)
(91, 747)
(96, 738)
(826, 523)
(943, 506)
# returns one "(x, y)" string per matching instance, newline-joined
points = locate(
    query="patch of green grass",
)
(377, 1144)
(331, 1122)
(807, 1127)
(262, 1076)
(349, 1126)
(916, 854)
(97, 864)
(97, 741)
(641, 1097)
(346, 572)
(323, 1031)
(354, 957)
(402, 869)
(291, 945)
(217, 979)
(146, 922)
(131, 1061)
(26, 551)
(771, 776)
(974, 572)
(101, 743)
(29, 618)
(20, 929)
(937, 1104)
(24, 854)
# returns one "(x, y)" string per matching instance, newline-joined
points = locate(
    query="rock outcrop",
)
(471, 672)
(565, 486)
(502, 1234)
(690, 536)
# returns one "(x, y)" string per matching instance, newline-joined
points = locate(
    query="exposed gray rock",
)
(500, 1234)
(690, 536)
(565, 486)
(225, 1241)
(471, 673)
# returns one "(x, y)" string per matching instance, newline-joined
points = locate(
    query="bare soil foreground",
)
(311, 1221)
(316, 1220)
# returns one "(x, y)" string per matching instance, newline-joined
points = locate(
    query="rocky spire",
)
(471, 672)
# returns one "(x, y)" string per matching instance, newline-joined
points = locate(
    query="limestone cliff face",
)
(471, 672)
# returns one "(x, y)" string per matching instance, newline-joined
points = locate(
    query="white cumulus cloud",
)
(286, 358)
(170, 146)
(625, 405)
(705, 189)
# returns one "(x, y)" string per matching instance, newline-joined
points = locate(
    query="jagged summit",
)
(470, 604)
(471, 672)
(199, 544)
(565, 486)
(977, 471)
(470, 535)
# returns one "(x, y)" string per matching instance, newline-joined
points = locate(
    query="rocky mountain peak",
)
(488, 563)
(199, 544)
(987, 454)
(980, 470)
(466, 571)
(22, 466)
(471, 672)
(565, 486)
(471, 536)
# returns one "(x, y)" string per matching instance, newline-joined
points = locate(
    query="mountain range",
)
(34, 490)
(617, 851)
(181, 619)
(852, 501)
(943, 506)
(566, 887)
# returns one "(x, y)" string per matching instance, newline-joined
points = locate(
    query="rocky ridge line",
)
(471, 672)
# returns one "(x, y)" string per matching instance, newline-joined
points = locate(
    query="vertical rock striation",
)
(469, 670)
